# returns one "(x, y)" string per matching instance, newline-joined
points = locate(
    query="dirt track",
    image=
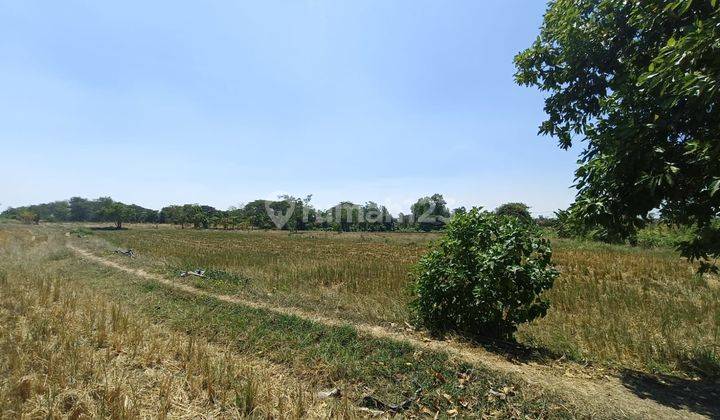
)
(629, 396)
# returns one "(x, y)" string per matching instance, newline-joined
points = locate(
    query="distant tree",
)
(173, 214)
(115, 212)
(80, 209)
(309, 213)
(345, 216)
(303, 214)
(430, 213)
(638, 82)
(56, 211)
(197, 215)
(236, 216)
(543, 221)
(28, 217)
(519, 210)
(142, 215)
(459, 210)
(223, 219)
(404, 221)
(375, 217)
(256, 215)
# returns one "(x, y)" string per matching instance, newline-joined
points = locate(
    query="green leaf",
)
(714, 187)
(686, 6)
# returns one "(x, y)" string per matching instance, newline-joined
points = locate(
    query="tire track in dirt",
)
(602, 397)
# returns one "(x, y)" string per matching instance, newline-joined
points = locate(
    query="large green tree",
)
(430, 213)
(114, 211)
(637, 83)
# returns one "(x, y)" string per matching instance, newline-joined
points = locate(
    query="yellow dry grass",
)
(615, 305)
(66, 352)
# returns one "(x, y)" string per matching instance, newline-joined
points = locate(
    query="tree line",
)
(287, 212)
(77, 209)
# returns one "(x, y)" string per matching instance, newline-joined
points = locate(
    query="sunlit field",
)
(79, 340)
(358, 275)
(67, 351)
(612, 305)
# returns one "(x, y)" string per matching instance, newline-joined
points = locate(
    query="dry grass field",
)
(80, 337)
(81, 340)
(617, 306)
(67, 351)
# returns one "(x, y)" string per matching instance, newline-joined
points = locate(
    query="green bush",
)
(484, 276)
(662, 235)
(81, 231)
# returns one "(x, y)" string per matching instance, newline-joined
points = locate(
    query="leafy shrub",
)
(567, 225)
(28, 217)
(661, 235)
(483, 277)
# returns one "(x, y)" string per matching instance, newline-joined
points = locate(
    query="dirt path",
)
(609, 396)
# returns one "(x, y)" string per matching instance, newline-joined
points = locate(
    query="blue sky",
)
(222, 102)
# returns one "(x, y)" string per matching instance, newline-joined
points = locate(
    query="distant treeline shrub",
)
(428, 213)
(519, 210)
(77, 209)
(287, 212)
(663, 235)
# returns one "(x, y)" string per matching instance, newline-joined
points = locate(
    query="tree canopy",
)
(431, 212)
(77, 209)
(519, 210)
(636, 83)
(286, 213)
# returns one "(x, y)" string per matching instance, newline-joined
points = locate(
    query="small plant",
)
(484, 277)
(81, 231)
(246, 398)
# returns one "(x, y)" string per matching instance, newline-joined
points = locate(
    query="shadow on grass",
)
(516, 352)
(511, 350)
(107, 228)
(701, 397)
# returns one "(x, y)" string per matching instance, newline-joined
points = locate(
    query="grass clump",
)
(81, 231)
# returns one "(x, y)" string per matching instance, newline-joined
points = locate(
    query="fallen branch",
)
(197, 273)
(373, 403)
(128, 252)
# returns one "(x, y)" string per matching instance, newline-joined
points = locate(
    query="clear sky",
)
(222, 102)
